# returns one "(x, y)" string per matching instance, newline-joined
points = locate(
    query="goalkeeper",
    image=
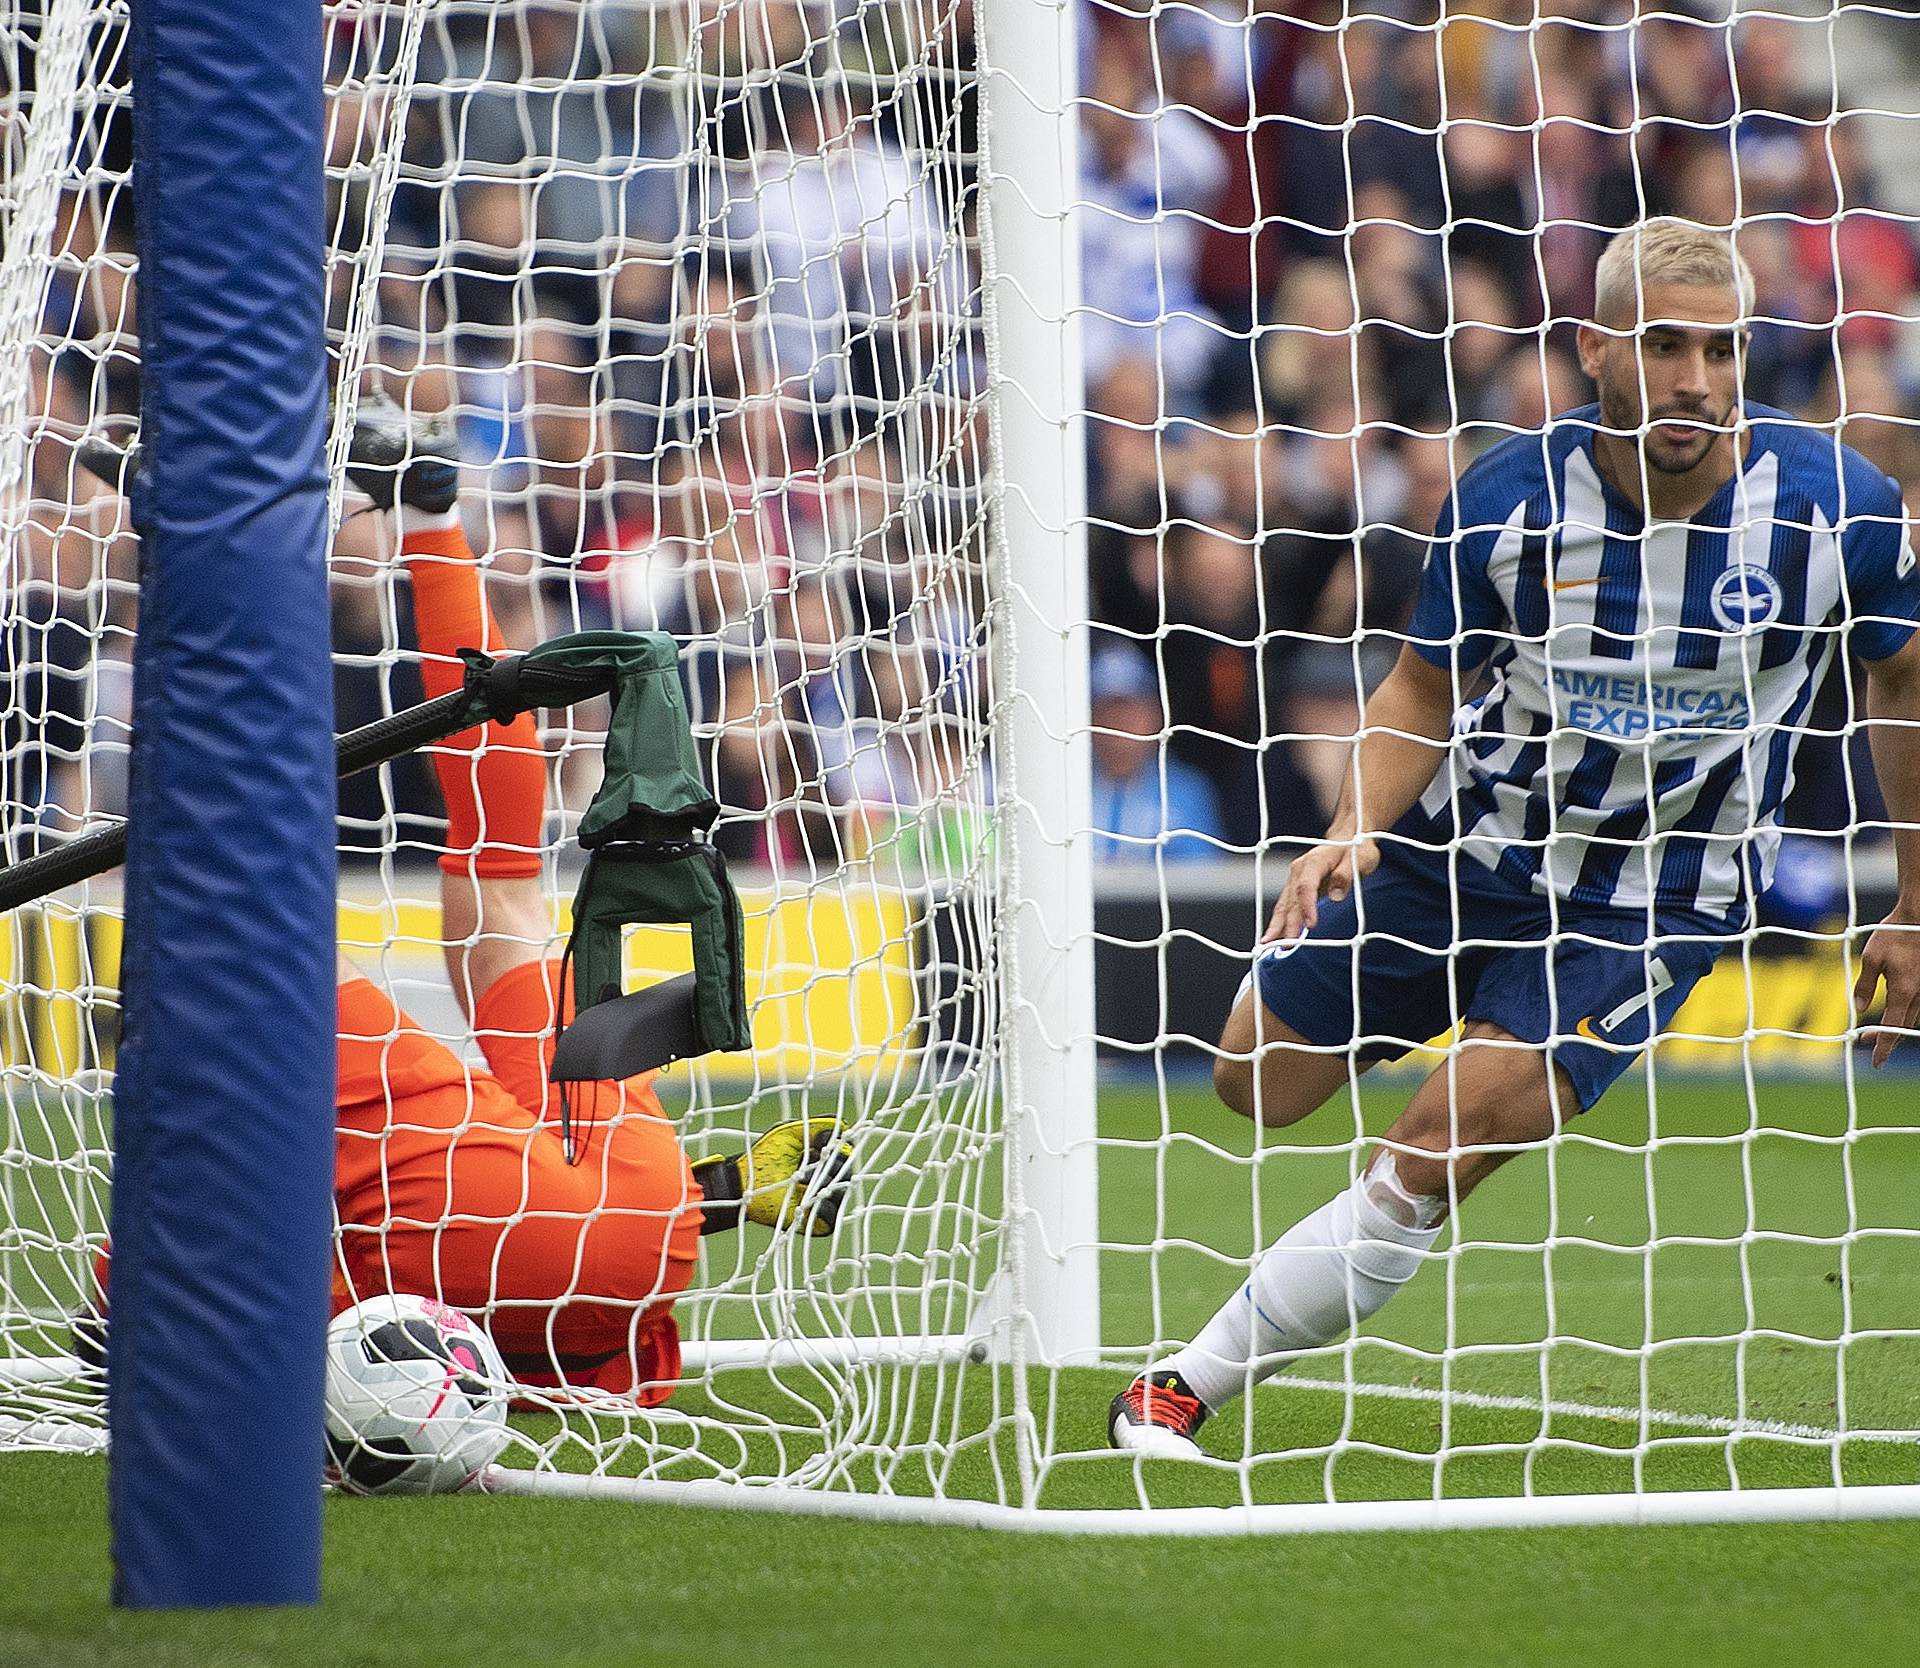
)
(1651, 591)
(452, 1182)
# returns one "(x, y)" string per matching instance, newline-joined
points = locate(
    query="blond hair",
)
(1667, 250)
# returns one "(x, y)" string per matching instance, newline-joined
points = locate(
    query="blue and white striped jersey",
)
(1649, 685)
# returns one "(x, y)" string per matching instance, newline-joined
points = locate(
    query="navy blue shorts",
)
(1593, 999)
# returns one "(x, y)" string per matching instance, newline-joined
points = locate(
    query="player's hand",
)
(797, 1172)
(1328, 871)
(1892, 954)
(799, 1169)
(416, 460)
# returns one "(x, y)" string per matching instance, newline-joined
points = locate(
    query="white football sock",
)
(1324, 1276)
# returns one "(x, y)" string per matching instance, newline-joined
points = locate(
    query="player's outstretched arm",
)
(1892, 954)
(1403, 738)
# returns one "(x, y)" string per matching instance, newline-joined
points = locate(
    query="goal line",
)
(1541, 1511)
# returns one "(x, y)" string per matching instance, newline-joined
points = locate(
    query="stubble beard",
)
(1621, 411)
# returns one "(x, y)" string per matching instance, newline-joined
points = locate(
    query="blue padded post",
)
(224, 1105)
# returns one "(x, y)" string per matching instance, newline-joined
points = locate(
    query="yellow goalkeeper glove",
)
(797, 1171)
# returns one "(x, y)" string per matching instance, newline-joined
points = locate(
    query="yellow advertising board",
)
(829, 971)
(831, 981)
(829, 976)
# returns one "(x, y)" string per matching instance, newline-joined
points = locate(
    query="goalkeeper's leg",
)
(494, 915)
(1337, 1267)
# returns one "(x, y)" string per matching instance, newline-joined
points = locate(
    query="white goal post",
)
(1028, 417)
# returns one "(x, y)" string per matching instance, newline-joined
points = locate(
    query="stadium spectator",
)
(1544, 378)
(1396, 104)
(1129, 462)
(1790, 353)
(1873, 416)
(765, 776)
(1338, 599)
(1775, 109)
(1309, 108)
(1669, 86)
(1400, 274)
(1489, 187)
(680, 440)
(1206, 63)
(65, 673)
(1485, 335)
(845, 227)
(1149, 176)
(1311, 347)
(821, 660)
(1582, 178)
(1147, 801)
(591, 144)
(1704, 186)
(916, 794)
(1862, 258)
(1210, 665)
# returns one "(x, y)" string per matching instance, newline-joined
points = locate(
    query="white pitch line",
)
(1716, 1423)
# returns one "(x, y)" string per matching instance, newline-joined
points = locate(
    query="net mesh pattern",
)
(699, 288)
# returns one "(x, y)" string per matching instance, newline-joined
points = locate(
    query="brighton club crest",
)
(1745, 598)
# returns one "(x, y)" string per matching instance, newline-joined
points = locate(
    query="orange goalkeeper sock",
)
(493, 778)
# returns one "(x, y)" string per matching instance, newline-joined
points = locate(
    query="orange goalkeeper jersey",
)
(452, 1182)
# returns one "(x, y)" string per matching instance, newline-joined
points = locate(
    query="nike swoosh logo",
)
(1585, 1029)
(1574, 584)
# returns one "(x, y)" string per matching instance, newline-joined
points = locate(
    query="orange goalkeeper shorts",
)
(453, 1183)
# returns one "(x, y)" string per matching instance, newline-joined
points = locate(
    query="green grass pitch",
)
(1692, 1264)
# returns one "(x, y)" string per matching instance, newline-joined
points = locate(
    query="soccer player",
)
(453, 1182)
(1648, 593)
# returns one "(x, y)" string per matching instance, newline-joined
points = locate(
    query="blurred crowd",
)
(1360, 300)
(700, 286)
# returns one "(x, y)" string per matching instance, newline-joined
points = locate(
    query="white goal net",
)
(1029, 420)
